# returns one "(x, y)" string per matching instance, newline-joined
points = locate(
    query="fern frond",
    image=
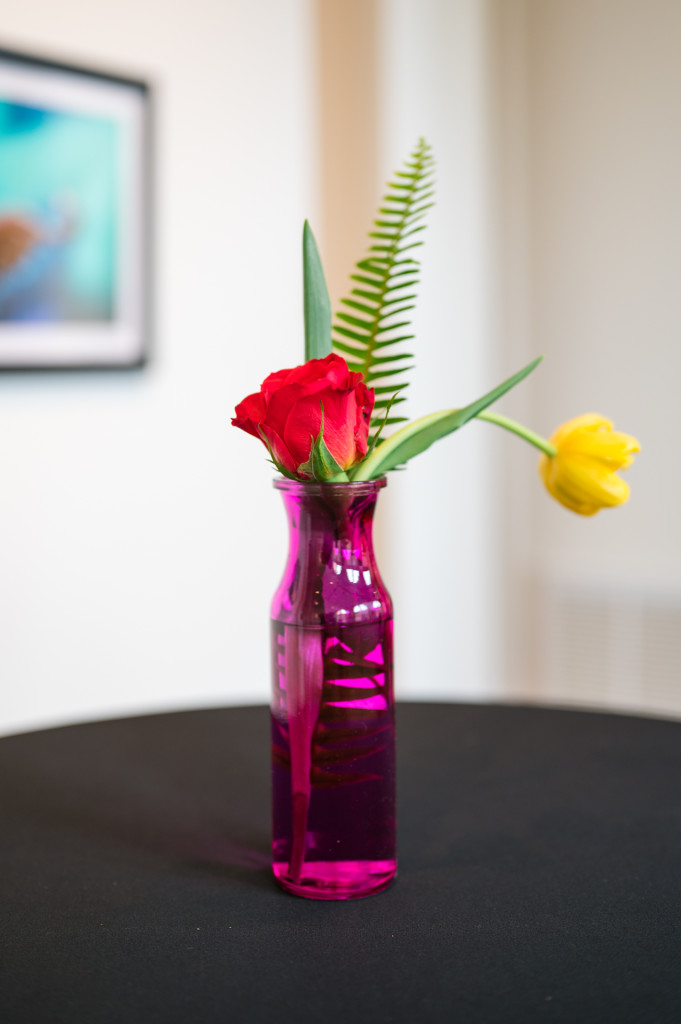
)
(387, 277)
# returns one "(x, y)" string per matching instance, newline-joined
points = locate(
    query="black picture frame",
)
(75, 216)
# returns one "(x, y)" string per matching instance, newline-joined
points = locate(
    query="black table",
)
(539, 876)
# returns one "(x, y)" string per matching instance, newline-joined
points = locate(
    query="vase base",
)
(337, 880)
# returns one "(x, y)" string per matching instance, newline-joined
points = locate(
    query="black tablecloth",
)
(539, 876)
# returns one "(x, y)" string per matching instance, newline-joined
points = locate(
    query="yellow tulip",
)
(582, 475)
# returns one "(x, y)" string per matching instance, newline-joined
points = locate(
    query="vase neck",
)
(331, 574)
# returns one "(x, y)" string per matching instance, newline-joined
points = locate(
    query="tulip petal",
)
(582, 473)
(588, 420)
(591, 483)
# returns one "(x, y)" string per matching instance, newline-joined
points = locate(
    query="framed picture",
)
(74, 217)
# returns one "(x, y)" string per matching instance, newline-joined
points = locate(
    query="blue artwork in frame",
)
(74, 217)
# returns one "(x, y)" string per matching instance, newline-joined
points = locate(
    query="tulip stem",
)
(520, 430)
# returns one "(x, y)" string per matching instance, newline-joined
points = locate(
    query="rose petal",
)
(280, 451)
(249, 413)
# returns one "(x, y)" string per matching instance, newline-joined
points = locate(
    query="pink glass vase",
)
(333, 727)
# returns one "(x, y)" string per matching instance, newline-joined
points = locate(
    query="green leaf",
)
(397, 311)
(369, 265)
(394, 359)
(398, 298)
(385, 420)
(354, 321)
(391, 341)
(386, 271)
(385, 403)
(359, 306)
(316, 303)
(387, 390)
(419, 435)
(391, 327)
(347, 333)
(321, 464)
(419, 211)
(347, 350)
(403, 284)
(277, 465)
(367, 280)
(387, 373)
(414, 231)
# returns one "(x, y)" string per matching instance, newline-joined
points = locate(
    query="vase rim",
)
(316, 487)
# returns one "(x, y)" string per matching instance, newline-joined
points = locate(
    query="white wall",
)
(605, 151)
(590, 161)
(444, 568)
(140, 539)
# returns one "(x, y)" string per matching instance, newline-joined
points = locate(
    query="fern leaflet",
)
(367, 331)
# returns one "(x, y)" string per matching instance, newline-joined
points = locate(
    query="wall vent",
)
(610, 646)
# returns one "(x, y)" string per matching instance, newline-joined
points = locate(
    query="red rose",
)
(287, 412)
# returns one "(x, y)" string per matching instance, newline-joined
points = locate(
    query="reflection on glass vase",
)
(333, 728)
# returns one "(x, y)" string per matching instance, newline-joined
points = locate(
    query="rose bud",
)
(286, 414)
